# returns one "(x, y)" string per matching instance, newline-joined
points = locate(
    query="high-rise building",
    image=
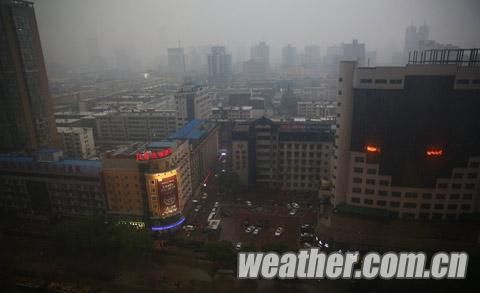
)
(354, 51)
(176, 63)
(192, 102)
(407, 137)
(261, 52)
(289, 56)
(219, 66)
(26, 113)
(312, 56)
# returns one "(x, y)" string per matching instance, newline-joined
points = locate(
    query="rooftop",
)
(194, 130)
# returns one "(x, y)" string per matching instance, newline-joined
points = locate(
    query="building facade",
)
(406, 139)
(77, 142)
(202, 137)
(27, 122)
(147, 182)
(292, 156)
(219, 66)
(113, 127)
(317, 110)
(49, 185)
(192, 102)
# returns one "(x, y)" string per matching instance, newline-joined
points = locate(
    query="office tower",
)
(282, 155)
(407, 137)
(354, 52)
(192, 102)
(26, 111)
(219, 66)
(176, 63)
(289, 56)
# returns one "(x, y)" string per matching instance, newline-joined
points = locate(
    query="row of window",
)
(412, 205)
(467, 81)
(380, 81)
(466, 196)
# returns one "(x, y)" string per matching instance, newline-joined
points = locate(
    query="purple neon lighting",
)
(161, 228)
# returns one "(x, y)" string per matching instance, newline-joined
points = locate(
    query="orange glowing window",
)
(372, 149)
(434, 152)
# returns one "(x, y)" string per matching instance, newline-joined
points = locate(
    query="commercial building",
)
(407, 137)
(219, 66)
(77, 142)
(192, 102)
(202, 137)
(290, 155)
(49, 185)
(114, 127)
(147, 181)
(27, 122)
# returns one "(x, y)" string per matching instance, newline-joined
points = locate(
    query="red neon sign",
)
(372, 149)
(153, 155)
(434, 152)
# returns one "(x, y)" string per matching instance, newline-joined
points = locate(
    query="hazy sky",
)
(147, 27)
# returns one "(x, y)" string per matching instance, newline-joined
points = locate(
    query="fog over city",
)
(146, 28)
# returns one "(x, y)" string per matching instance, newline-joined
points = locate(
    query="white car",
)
(204, 196)
(279, 231)
(189, 228)
(249, 229)
(256, 231)
(216, 204)
(194, 200)
(295, 205)
(214, 210)
(293, 212)
(248, 203)
(197, 208)
(238, 246)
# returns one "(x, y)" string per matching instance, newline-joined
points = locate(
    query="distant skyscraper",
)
(354, 52)
(312, 55)
(257, 67)
(26, 112)
(176, 63)
(289, 56)
(407, 138)
(219, 66)
(261, 52)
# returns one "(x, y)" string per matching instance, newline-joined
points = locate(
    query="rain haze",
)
(146, 28)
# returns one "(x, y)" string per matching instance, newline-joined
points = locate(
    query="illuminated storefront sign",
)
(434, 152)
(153, 155)
(167, 227)
(372, 149)
(168, 194)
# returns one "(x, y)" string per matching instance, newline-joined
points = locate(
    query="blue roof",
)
(193, 130)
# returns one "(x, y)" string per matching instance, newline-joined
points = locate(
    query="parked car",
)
(256, 231)
(197, 208)
(248, 203)
(279, 231)
(249, 229)
(216, 204)
(295, 205)
(238, 246)
(189, 228)
(293, 212)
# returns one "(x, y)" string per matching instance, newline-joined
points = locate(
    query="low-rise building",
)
(48, 184)
(317, 110)
(114, 127)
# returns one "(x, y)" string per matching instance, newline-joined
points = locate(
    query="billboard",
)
(168, 195)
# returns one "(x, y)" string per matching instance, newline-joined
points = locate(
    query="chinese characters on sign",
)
(152, 155)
